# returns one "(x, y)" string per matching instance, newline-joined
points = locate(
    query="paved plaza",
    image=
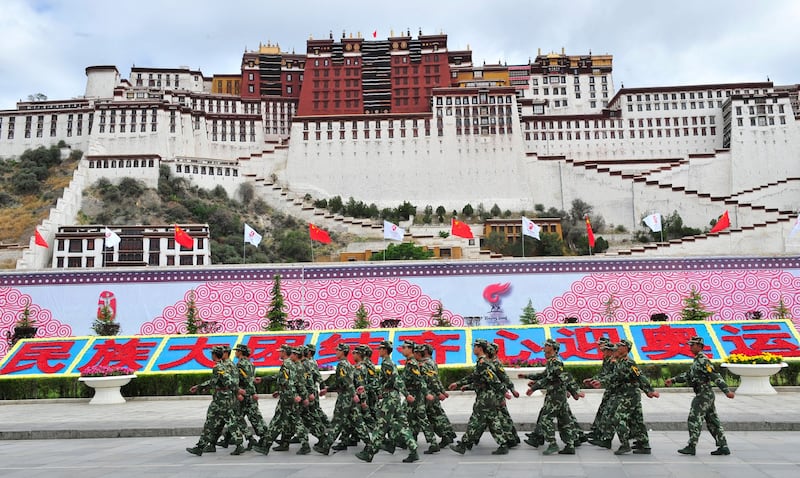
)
(147, 437)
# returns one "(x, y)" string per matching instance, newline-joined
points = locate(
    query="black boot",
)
(304, 449)
(196, 450)
(366, 454)
(412, 457)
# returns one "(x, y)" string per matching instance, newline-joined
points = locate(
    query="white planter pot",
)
(755, 377)
(107, 389)
(521, 384)
(325, 374)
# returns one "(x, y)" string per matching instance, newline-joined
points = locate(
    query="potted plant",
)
(25, 327)
(754, 372)
(106, 382)
(104, 324)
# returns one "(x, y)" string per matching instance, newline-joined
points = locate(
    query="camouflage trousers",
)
(314, 419)
(567, 434)
(510, 434)
(602, 419)
(391, 425)
(703, 409)
(418, 418)
(220, 414)
(287, 421)
(556, 409)
(348, 416)
(485, 414)
(628, 418)
(438, 419)
(248, 408)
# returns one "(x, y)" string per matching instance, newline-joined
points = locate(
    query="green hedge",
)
(149, 385)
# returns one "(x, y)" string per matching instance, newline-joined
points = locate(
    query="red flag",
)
(589, 232)
(183, 238)
(460, 229)
(723, 223)
(375, 34)
(319, 235)
(38, 239)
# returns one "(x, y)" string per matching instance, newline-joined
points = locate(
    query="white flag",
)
(112, 238)
(251, 236)
(529, 228)
(796, 227)
(653, 221)
(392, 231)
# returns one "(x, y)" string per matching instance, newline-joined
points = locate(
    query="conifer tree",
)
(693, 308)
(529, 316)
(362, 318)
(438, 319)
(276, 316)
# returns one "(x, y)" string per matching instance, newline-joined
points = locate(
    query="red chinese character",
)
(437, 341)
(581, 341)
(762, 338)
(265, 349)
(40, 354)
(666, 342)
(527, 346)
(110, 353)
(196, 352)
(327, 348)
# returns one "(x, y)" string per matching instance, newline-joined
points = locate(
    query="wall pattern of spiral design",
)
(633, 297)
(324, 305)
(12, 304)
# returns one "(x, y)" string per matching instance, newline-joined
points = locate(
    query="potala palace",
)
(408, 119)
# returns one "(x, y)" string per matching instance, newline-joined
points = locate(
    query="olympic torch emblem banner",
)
(653, 343)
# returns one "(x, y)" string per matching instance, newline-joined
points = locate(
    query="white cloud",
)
(48, 44)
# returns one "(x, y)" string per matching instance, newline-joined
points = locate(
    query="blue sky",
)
(48, 43)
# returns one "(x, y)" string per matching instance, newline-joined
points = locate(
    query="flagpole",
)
(312, 248)
(522, 238)
(244, 244)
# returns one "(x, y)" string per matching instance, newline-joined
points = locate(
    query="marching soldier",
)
(512, 437)
(436, 415)
(417, 387)
(220, 411)
(248, 406)
(290, 394)
(391, 424)
(347, 410)
(602, 418)
(490, 395)
(315, 416)
(700, 376)
(558, 383)
(624, 381)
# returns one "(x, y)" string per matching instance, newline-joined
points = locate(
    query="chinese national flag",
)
(589, 232)
(38, 239)
(723, 223)
(183, 238)
(319, 235)
(460, 229)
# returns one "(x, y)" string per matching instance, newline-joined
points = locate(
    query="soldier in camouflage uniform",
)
(624, 381)
(391, 424)
(490, 396)
(602, 418)
(558, 383)
(700, 376)
(248, 406)
(290, 395)
(347, 409)
(314, 415)
(372, 383)
(512, 436)
(436, 415)
(417, 387)
(220, 412)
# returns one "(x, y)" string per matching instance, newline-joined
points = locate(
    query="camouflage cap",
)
(217, 349)
(386, 344)
(419, 348)
(243, 349)
(286, 348)
(409, 343)
(482, 342)
(609, 346)
(226, 348)
(343, 347)
(491, 347)
(359, 349)
(311, 347)
(602, 341)
(552, 343)
(696, 340)
(624, 343)
(429, 349)
(297, 351)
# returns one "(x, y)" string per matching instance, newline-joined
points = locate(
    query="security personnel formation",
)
(386, 408)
